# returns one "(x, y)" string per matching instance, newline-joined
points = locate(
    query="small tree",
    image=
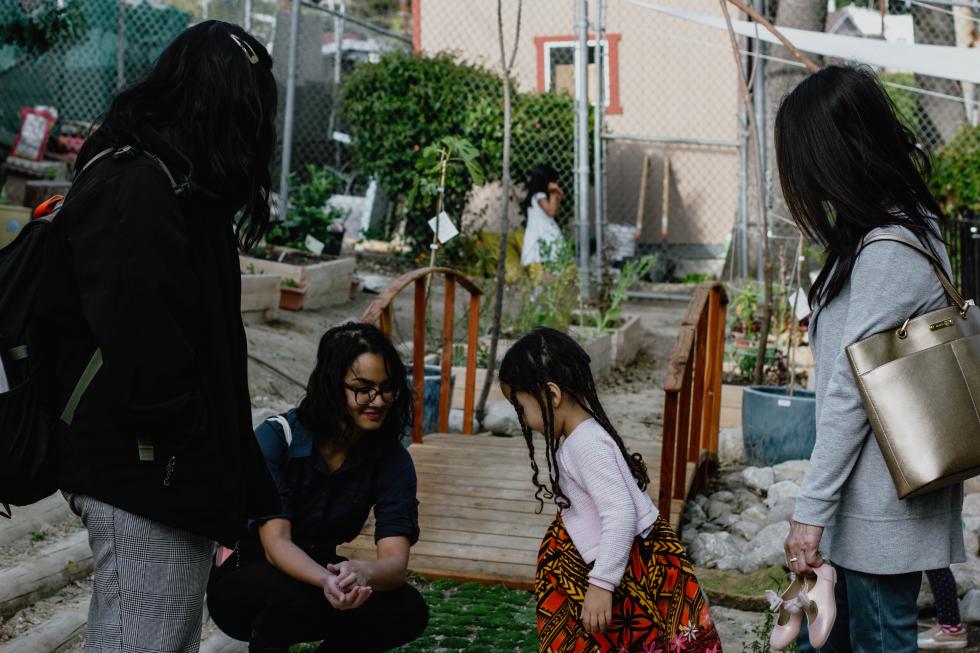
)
(506, 65)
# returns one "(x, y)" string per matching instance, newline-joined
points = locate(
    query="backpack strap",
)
(93, 367)
(287, 431)
(937, 265)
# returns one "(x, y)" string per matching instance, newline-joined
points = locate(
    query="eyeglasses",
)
(366, 396)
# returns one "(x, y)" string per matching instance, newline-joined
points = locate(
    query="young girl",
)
(612, 575)
(544, 196)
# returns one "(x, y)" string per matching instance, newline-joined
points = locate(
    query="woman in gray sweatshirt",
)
(849, 170)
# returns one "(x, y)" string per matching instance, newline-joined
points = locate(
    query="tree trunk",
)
(501, 278)
(939, 119)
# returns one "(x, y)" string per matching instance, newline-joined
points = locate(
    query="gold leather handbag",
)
(920, 383)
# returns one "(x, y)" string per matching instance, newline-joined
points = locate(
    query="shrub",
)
(956, 172)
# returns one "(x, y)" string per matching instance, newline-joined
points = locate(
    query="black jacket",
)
(152, 279)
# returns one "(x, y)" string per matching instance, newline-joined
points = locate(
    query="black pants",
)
(258, 599)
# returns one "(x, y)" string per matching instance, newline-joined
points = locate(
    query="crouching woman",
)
(334, 458)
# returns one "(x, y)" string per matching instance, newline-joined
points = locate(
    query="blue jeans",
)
(875, 614)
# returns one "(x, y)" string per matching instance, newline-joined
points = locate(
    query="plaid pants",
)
(149, 582)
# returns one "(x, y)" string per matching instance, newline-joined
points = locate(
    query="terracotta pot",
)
(291, 299)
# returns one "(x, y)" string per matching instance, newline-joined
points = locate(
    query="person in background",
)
(336, 457)
(949, 631)
(141, 286)
(541, 205)
(611, 573)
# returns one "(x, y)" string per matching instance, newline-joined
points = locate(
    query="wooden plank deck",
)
(477, 510)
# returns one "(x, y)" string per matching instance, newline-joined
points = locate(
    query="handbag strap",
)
(287, 431)
(937, 265)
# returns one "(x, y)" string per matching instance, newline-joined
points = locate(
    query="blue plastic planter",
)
(432, 385)
(777, 427)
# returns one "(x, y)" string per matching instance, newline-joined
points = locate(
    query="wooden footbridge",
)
(478, 515)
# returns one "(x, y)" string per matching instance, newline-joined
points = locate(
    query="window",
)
(556, 68)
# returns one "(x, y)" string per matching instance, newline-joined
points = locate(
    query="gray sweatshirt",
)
(848, 488)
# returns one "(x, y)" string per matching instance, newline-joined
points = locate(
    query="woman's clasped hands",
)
(346, 585)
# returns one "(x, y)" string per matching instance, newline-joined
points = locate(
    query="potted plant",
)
(292, 294)
(625, 330)
(778, 417)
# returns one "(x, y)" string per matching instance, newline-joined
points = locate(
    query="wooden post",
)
(472, 344)
(445, 380)
(698, 402)
(667, 455)
(712, 367)
(718, 337)
(642, 206)
(683, 428)
(418, 360)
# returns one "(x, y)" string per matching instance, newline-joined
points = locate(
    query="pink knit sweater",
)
(608, 509)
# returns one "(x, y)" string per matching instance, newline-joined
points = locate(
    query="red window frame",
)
(612, 40)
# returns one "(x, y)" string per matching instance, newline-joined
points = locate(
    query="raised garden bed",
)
(328, 279)
(599, 347)
(627, 340)
(260, 294)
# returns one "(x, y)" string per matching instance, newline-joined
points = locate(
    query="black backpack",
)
(28, 468)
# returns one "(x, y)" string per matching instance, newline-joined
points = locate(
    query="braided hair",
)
(546, 356)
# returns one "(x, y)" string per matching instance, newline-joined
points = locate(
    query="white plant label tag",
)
(802, 304)
(785, 403)
(314, 245)
(443, 225)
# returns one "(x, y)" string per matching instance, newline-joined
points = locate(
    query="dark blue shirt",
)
(327, 509)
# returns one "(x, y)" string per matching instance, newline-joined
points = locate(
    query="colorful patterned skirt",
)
(657, 608)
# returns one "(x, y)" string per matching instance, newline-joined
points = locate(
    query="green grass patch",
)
(471, 617)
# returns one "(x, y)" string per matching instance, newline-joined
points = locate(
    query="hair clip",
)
(247, 49)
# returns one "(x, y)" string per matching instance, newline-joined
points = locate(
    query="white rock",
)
(456, 421)
(701, 500)
(971, 542)
(747, 499)
(716, 510)
(765, 549)
(756, 514)
(687, 536)
(971, 505)
(781, 512)
(731, 447)
(780, 491)
(758, 478)
(724, 496)
(727, 521)
(967, 575)
(745, 528)
(501, 418)
(791, 470)
(694, 513)
(733, 480)
(728, 563)
(971, 523)
(709, 548)
(970, 607)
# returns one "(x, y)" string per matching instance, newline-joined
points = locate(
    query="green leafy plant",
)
(744, 311)
(956, 172)
(308, 213)
(551, 300)
(402, 104)
(38, 31)
(288, 282)
(607, 318)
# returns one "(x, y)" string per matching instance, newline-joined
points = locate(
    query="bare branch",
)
(802, 58)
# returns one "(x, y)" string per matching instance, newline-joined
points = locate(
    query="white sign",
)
(314, 245)
(443, 227)
(800, 303)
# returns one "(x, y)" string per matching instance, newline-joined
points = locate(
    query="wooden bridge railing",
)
(692, 407)
(381, 311)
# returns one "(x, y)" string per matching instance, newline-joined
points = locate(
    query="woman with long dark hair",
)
(141, 290)
(334, 458)
(850, 170)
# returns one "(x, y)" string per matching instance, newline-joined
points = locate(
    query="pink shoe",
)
(822, 610)
(789, 608)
